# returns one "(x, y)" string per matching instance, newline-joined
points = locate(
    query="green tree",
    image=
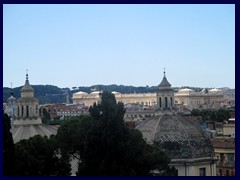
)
(8, 147)
(222, 115)
(106, 146)
(72, 134)
(38, 156)
(45, 116)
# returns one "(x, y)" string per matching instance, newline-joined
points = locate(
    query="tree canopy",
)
(219, 115)
(38, 156)
(8, 147)
(101, 141)
(106, 146)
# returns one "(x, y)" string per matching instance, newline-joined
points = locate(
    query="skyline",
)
(84, 45)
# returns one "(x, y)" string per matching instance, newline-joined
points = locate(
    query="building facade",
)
(164, 98)
(224, 148)
(192, 99)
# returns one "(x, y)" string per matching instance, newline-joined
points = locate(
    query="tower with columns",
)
(27, 106)
(165, 94)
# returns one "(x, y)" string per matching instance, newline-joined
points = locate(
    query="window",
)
(202, 171)
(221, 157)
(230, 156)
(227, 172)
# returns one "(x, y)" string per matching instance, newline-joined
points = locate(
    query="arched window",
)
(18, 111)
(22, 110)
(160, 102)
(171, 101)
(36, 110)
(166, 102)
(27, 111)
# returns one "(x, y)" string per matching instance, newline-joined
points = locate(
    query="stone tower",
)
(27, 106)
(165, 94)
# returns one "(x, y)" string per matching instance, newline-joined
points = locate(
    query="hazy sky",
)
(83, 45)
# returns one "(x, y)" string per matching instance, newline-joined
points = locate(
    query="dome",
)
(115, 92)
(27, 87)
(181, 138)
(95, 92)
(186, 90)
(80, 93)
(27, 131)
(215, 90)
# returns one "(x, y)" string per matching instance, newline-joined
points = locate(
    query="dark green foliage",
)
(56, 121)
(8, 147)
(72, 134)
(37, 157)
(45, 93)
(45, 116)
(106, 146)
(219, 115)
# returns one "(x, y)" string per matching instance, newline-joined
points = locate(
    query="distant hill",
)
(45, 93)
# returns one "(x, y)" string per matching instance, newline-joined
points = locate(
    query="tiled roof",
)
(179, 137)
(27, 131)
(182, 138)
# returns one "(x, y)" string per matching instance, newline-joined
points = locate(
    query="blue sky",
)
(83, 45)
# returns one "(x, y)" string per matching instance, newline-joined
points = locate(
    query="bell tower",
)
(27, 106)
(165, 94)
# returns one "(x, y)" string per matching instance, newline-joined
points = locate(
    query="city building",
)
(184, 98)
(224, 148)
(204, 99)
(64, 110)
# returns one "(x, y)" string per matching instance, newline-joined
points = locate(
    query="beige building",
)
(148, 99)
(193, 99)
(229, 128)
(224, 148)
(162, 98)
(165, 97)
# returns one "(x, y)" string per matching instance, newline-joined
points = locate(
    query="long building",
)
(184, 97)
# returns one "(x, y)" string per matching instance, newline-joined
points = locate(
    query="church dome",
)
(181, 138)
